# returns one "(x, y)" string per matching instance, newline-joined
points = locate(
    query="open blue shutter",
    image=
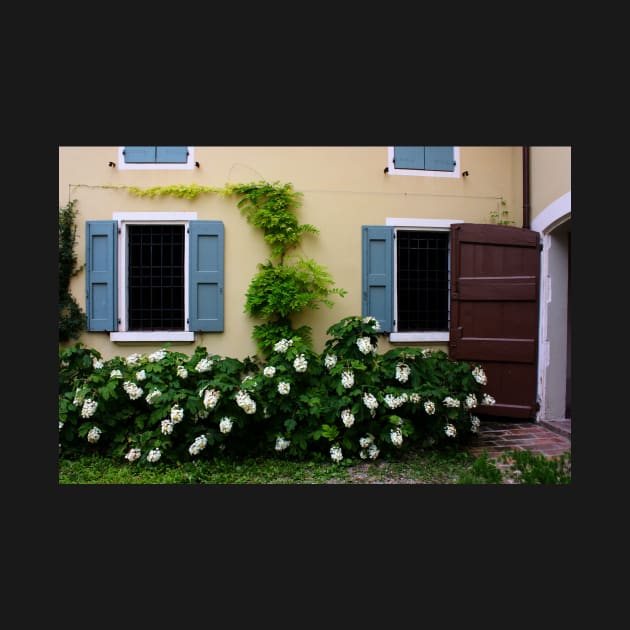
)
(172, 155)
(139, 155)
(378, 274)
(100, 266)
(409, 157)
(439, 159)
(206, 276)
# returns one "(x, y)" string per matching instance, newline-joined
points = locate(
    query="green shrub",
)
(535, 468)
(346, 403)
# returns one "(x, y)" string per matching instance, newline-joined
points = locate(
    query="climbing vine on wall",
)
(286, 284)
(71, 317)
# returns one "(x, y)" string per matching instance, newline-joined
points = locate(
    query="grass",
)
(415, 466)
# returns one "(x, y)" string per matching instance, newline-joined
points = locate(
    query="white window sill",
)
(418, 336)
(158, 335)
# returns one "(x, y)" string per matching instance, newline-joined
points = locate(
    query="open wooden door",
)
(494, 311)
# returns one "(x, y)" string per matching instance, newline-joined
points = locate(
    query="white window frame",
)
(424, 225)
(151, 166)
(392, 170)
(149, 218)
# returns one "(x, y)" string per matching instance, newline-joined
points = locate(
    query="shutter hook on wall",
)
(112, 164)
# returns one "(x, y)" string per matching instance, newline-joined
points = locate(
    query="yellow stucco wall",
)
(550, 176)
(343, 188)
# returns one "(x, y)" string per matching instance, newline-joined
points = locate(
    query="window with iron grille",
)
(155, 280)
(422, 281)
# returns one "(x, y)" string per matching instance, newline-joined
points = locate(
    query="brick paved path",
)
(496, 437)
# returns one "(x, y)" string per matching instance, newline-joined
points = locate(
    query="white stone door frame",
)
(552, 225)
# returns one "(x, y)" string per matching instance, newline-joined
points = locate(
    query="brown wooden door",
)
(494, 311)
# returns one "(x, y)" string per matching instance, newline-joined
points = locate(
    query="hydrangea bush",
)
(349, 402)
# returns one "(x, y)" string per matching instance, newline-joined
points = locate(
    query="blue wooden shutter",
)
(171, 155)
(100, 267)
(409, 157)
(206, 245)
(378, 274)
(139, 155)
(439, 159)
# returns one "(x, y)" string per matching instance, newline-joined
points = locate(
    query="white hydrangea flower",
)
(89, 407)
(245, 402)
(347, 379)
(429, 407)
(133, 454)
(365, 345)
(396, 436)
(369, 400)
(97, 364)
(204, 365)
(177, 414)
(449, 401)
(347, 417)
(93, 435)
(427, 352)
(471, 401)
(363, 454)
(450, 430)
(281, 443)
(371, 320)
(488, 400)
(364, 442)
(402, 372)
(269, 371)
(284, 388)
(330, 360)
(480, 376)
(182, 372)
(373, 451)
(154, 455)
(300, 363)
(156, 356)
(60, 425)
(211, 398)
(115, 374)
(283, 345)
(133, 359)
(167, 426)
(394, 402)
(474, 424)
(153, 395)
(78, 397)
(225, 425)
(134, 392)
(336, 453)
(415, 398)
(141, 375)
(198, 445)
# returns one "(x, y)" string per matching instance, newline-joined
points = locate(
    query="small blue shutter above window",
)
(171, 155)
(100, 268)
(378, 274)
(409, 157)
(206, 246)
(139, 155)
(439, 159)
